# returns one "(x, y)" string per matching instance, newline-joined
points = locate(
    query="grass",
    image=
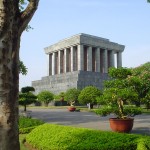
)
(23, 145)
(146, 111)
(21, 139)
(25, 126)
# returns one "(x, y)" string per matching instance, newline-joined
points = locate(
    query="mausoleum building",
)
(79, 61)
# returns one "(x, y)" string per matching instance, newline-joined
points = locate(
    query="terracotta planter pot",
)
(121, 125)
(71, 108)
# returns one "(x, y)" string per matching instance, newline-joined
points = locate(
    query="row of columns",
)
(82, 57)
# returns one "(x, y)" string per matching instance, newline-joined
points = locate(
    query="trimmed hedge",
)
(26, 124)
(58, 137)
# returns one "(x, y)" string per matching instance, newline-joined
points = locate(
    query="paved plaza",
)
(87, 119)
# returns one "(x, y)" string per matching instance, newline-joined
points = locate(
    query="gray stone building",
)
(79, 61)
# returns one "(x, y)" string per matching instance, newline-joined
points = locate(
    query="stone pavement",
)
(87, 119)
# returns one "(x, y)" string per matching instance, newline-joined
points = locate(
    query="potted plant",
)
(119, 98)
(71, 96)
(72, 107)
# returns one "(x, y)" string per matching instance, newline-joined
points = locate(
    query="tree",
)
(136, 78)
(71, 95)
(12, 23)
(146, 100)
(117, 92)
(88, 95)
(26, 96)
(140, 80)
(46, 97)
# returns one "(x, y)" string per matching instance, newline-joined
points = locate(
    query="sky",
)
(125, 22)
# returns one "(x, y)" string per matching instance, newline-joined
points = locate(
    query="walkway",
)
(87, 119)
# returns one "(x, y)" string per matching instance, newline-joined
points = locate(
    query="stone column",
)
(111, 61)
(105, 61)
(80, 57)
(50, 64)
(119, 59)
(53, 63)
(75, 58)
(69, 60)
(97, 59)
(65, 62)
(89, 59)
(59, 62)
(72, 58)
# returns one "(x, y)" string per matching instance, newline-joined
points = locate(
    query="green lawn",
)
(21, 139)
(146, 111)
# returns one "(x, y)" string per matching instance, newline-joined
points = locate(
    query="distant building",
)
(79, 61)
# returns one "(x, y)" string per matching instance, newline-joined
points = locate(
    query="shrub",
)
(46, 97)
(27, 124)
(59, 96)
(143, 74)
(117, 93)
(49, 137)
(26, 130)
(71, 95)
(26, 96)
(89, 94)
(146, 100)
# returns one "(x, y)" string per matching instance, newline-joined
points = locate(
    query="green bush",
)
(71, 95)
(143, 144)
(28, 124)
(89, 94)
(118, 93)
(46, 97)
(56, 137)
(26, 130)
(26, 96)
(59, 96)
(129, 111)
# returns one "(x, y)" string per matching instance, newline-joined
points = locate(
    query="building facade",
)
(79, 61)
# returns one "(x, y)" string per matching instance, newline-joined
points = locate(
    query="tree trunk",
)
(9, 79)
(12, 24)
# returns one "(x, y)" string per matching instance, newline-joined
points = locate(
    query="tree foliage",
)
(45, 96)
(119, 73)
(60, 96)
(27, 89)
(136, 78)
(142, 74)
(119, 91)
(89, 94)
(71, 95)
(26, 96)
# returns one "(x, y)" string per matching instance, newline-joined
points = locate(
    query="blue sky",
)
(122, 21)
